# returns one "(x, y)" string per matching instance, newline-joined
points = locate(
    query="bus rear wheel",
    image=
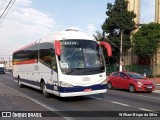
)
(44, 90)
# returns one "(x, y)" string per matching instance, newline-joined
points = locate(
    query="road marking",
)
(42, 104)
(100, 99)
(145, 109)
(111, 101)
(126, 105)
(148, 97)
(49, 108)
(120, 103)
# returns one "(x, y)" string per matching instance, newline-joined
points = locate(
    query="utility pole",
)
(121, 60)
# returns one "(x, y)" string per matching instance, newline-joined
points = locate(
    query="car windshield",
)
(135, 75)
(81, 57)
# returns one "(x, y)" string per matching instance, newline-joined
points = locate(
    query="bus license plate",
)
(87, 90)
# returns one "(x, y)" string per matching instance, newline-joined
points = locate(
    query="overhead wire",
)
(6, 10)
(2, 4)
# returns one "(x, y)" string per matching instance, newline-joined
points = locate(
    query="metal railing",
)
(152, 72)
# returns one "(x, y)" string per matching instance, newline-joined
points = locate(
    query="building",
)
(157, 11)
(134, 5)
(156, 59)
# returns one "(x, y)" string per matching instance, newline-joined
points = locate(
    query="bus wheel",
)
(44, 90)
(20, 83)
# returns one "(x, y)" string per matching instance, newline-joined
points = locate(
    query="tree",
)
(98, 36)
(146, 40)
(101, 37)
(119, 24)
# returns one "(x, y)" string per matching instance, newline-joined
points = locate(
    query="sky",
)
(30, 20)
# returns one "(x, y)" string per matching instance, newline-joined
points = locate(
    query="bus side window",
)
(47, 55)
(53, 57)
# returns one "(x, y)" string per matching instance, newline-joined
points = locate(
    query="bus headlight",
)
(64, 84)
(103, 82)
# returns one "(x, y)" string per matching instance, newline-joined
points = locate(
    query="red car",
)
(129, 80)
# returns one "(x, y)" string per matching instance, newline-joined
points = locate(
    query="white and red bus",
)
(69, 63)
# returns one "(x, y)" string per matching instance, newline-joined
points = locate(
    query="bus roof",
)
(67, 34)
(1, 65)
(62, 35)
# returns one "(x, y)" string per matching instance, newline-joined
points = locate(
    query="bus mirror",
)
(57, 45)
(108, 47)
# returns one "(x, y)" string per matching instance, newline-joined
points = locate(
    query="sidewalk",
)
(12, 101)
(156, 82)
(157, 90)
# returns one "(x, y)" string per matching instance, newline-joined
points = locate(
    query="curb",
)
(156, 91)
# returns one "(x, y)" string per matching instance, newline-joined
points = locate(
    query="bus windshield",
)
(81, 57)
(1, 68)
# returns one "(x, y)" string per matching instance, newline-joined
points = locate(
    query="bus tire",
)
(20, 83)
(44, 90)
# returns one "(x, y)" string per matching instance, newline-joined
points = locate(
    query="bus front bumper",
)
(81, 91)
(72, 94)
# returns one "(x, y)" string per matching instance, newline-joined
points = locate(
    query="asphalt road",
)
(94, 107)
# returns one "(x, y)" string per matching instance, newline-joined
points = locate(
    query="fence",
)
(132, 68)
(152, 72)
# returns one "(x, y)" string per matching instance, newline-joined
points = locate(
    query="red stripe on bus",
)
(25, 62)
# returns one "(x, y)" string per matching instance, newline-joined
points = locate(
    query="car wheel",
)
(131, 88)
(109, 85)
(44, 90)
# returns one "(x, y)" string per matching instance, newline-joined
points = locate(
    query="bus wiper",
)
(74, 70)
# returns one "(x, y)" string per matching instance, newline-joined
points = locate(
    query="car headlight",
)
(64, 84)
(139, 83)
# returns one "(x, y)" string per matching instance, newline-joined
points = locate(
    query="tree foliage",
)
(98, 36)
(118, 20)
(146, 40)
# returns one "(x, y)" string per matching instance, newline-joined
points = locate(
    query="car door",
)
(114, 79)
(123, 81)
